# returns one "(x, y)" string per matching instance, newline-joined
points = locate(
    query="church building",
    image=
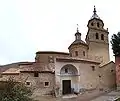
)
(86, 67)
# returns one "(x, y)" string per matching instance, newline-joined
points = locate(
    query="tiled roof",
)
(13, 65)
(78, 42)
(39, 67)
(11, 70)
(33, 67)
(51, 52)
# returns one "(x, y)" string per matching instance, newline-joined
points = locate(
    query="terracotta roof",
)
(26, 63)
(33, 67)
(51, 52)
(12, 71)
(12, 65)
(107, 64)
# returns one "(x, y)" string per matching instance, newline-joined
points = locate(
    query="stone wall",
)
(117, 66)
(87, 77)
(81, 49)
(48, 57)
(42, 85)
(107, 76)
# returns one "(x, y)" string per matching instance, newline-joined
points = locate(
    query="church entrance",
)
(66, 86)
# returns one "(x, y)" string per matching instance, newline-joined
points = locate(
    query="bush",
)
(14, 91)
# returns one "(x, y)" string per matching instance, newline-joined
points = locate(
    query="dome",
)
(78, 42)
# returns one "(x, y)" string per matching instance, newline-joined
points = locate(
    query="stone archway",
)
(69, 69)
(69, 79)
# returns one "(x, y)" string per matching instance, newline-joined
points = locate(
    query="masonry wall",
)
(117, 66)
(47, 58)
(38, 83)
(87, 77)
(81, 49)
(107, 76)
(99, 49)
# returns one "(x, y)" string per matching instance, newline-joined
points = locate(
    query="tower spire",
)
(95, 14)
(77, 28)
(77, 34)
(94, 10)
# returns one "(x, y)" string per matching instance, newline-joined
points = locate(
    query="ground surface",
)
(111, 96)
(89, 96)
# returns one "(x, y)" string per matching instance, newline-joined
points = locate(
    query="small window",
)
(46, 84)
(97, 37)
(36, 74)
(93, 68)
(76, 53)
(27, 83)
(92, 24)
(83, 53)
(102, 37)
(100, 89)
(66, 70)
(50, 59)
(99, 76)
(98, 25)
(112, 70)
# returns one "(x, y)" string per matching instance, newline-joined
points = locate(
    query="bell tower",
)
(97, 38)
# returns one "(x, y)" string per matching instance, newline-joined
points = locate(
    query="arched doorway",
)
(69, 79)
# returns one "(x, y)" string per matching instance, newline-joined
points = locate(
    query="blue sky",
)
(27, 26)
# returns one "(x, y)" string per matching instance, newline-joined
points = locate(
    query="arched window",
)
(97, 37)
(66, 70)
(102, 37)
(92, 24)
(83, 53)
(98, 25)
(76, 53)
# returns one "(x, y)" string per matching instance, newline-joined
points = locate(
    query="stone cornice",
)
(75, 60)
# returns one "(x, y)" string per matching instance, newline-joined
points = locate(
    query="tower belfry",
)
(97, 38)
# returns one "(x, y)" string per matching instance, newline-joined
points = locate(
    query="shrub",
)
(15, 91)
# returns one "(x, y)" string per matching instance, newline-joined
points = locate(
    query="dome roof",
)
(78, 42)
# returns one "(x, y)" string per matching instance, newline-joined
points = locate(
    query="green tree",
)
(115, 41)
(14, 91)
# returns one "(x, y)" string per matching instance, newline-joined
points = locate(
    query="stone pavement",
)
(89, 96)
(112, 96)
